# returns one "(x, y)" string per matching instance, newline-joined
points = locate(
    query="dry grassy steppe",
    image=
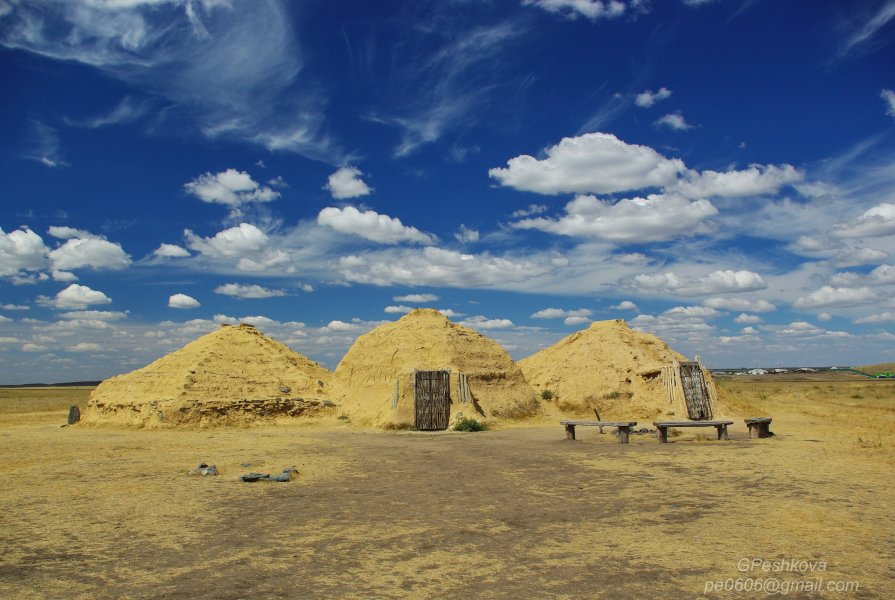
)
(96, 512)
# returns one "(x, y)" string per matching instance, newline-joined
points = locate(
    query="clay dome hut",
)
(232, 376)
(623, 373)
(425, 371)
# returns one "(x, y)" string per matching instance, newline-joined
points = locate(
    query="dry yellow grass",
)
(93, 512)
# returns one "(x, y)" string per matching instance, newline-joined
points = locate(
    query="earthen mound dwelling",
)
(625, 374)
(376, 383)
(232, 376)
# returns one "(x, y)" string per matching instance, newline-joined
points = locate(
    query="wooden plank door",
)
(432, 399)
(696, 394)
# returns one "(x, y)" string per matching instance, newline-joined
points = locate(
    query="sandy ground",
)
(514, 513)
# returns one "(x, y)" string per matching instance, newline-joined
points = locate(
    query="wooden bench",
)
(663, 426)
(759, 427)
(624, 428)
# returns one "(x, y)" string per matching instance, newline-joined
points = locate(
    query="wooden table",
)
(759, 427)
(624, 428)
(663, 426)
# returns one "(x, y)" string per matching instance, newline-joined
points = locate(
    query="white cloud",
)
(245, 244)
(14, 307)
(576, 320)
(171, 251)
(636, 220)
(749, 331)
(465, 235)
(400, 309)
(450, 314)
(372, 226)
(625, 305)
(593, 162)
(756, 180)
(884, 317)
(590, 9)
(882, 275)
(481, 322)
(888, 97)
(744, 318)
(239, 290)
(420, 298)
(92, 252)
(559, 313)
(21, 250)
(228, 69)
(718, 282)
(836, 296)
(342, 326)
(674, 121)
(346, 182)
(648, 98)
(94, 315)
(740, 304)
(432, 266)
(79, 296)
(696, 312)
(230, 187)
(66, 233)
(875, 222)
(533, 209)
(30, 347)
(182, 301)
(824, 317)
(85, 347)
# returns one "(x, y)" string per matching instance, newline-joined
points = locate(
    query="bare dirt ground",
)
(513, 513)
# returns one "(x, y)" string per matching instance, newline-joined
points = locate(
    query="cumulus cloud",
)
(559, 313)
(740, 304)
(346, 182)
(244, 291)
(400, 309)
(481, 322)
(532, 209)
(836, 296)
(744, 318)
(419, 298)
(465, 235)
(79, 296)
(182, 301)
(94, 315)
(91, 252)
(625, 305)
(875, 222)
(247, 291)
(230, 188)
(21, 250)
(589, 9)
(674, 121)
(648, 98)
(718, 282)
(85, 347)
(636, 220)
(432, 266)
(372, 226)
(888, 97)
(594, 162)
(171, 251)
(883, 317)
(245, 244)
(756, 180)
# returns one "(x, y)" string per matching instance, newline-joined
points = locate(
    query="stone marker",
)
(74, 414)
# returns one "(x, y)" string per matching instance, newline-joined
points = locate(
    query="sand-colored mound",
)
(234, 375)
(374, 383)
(624, 373)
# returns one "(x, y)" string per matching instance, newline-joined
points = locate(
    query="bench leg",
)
(722, 432)
(570, 432)
(754, 431)
(623, 434)
(662, 435)
(764, 430)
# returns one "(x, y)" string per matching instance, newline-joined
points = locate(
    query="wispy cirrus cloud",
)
(229, 69)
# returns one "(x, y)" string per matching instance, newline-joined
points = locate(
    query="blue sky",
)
(718, 172)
